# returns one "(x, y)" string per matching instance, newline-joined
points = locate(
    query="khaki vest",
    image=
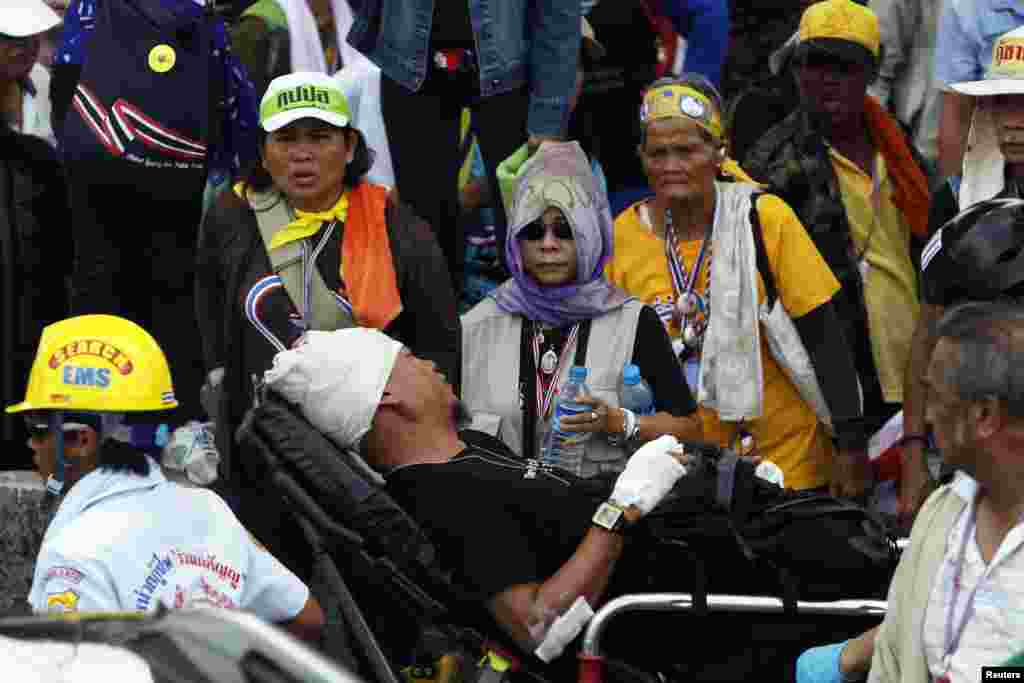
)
(490, 374)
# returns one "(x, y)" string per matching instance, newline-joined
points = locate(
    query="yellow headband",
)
(683, 102)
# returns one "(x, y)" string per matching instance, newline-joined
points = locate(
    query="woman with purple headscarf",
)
(558, 310)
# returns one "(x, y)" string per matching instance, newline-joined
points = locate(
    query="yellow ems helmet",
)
(98, 363)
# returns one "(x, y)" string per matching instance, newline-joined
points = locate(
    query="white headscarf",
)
(984, 165)
(307, 50)
(337, 379)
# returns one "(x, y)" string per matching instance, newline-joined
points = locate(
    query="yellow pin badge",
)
(162, 58)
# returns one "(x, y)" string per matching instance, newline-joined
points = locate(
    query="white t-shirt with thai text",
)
(126, 543)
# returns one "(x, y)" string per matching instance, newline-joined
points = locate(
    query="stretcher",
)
(355, 530)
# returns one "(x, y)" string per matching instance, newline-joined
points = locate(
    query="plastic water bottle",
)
(565, 449)
(635, 394)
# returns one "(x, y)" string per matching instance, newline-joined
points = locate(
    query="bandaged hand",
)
(650, 474)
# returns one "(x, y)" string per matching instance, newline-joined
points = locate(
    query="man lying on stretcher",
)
(533, 542)
(525, 539)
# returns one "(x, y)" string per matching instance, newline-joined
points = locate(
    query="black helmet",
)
(985, 243)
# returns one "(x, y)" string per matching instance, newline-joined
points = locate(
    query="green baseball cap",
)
(301, 95)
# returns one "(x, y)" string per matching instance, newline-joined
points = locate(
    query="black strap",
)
(763, 265)
(530, 384)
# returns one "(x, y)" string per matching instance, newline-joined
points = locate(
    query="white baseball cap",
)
(1005, 74)
(23, 18)
(304, 94)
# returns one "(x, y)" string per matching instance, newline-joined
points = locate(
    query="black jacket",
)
(35, 260)
(231, 258)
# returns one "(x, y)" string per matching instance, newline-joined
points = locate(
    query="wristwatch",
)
(610, 516)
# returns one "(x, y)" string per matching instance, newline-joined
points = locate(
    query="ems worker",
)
(125, 538)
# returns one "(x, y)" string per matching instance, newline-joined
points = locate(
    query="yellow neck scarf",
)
(307, 224)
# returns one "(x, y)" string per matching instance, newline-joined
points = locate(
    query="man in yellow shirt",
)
(857, 184)
(683, 153)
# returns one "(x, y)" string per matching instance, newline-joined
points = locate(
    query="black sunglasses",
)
(535, 231)
(38, 428)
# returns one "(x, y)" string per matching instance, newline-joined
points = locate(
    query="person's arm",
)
(916, 482)
(676, 411)
(937, 275)
(308, 624)
(954, 123)
(553, 55)
(899, 22)
(806, 287)
(822, 336)
(526, 610)
(520, 609)
(68, 584)
(955, 62)
(705, 25)
(273, 593)
(426, 291)
(209, 285)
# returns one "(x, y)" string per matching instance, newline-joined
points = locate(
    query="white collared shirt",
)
(35, 106)
(122, 542)
(995, 628)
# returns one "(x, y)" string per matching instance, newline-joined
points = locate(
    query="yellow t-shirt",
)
(890, 280)
(789, 433)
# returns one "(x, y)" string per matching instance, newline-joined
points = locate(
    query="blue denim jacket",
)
(518, 42)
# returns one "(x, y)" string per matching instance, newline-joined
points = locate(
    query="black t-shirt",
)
(452, 25)
(497, 520)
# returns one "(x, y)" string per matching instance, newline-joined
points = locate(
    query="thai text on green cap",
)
(301, 95)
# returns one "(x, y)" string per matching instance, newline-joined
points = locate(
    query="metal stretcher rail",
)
(683, 602)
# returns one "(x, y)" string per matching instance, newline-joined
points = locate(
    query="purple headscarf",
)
(559, 175)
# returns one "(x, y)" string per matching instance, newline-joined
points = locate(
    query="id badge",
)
(691, 366)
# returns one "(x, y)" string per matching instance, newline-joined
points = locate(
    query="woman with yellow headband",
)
(697, 251)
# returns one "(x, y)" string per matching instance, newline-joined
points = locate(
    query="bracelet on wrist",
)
(631, 424)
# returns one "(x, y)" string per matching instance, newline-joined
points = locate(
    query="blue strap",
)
(55, 482)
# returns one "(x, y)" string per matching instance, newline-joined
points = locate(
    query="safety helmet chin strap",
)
(55, 483)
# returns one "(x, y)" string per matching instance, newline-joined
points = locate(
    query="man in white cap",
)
(993, 167)
(25, 84)
(363, 389)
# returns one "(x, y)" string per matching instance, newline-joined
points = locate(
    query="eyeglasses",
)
(39, 426)
(534, 231)
(16, 40)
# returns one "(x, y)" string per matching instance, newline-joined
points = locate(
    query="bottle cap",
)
(577, 373)
(631, 374)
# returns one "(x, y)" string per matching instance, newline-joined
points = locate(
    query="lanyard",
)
(543, 396)
(308, 268)
(876, 207)
(953, 633)
(682, 282)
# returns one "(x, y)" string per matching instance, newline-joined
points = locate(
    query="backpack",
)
(742, 535)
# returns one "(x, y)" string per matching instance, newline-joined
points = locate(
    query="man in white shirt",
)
(126, 538)
(24, 83)
(956, 603)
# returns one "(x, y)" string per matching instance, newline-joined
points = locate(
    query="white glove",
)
(649, 475)
(192, 450)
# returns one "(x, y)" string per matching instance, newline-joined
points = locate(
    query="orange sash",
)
(368, 269)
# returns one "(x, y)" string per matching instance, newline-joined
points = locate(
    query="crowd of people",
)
(410, 218)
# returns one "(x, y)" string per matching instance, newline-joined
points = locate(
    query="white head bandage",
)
(337, 379)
